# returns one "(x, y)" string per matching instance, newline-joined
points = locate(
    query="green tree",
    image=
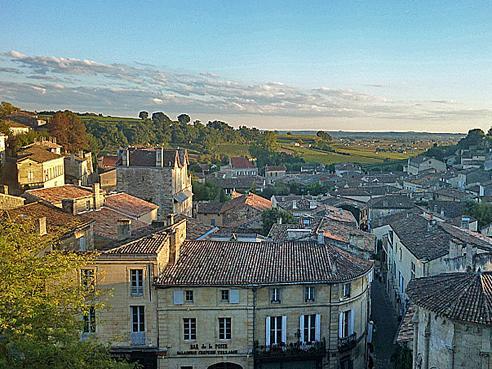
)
(184, 119)
(143, 115)
(324, 136)
(41, 301)
(271, 216)
(7, 108)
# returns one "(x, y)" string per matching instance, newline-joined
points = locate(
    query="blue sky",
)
(356, 65)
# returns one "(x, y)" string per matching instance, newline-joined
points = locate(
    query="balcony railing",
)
(137, 338)
(137, 291)
(291, 350)
(347, 343)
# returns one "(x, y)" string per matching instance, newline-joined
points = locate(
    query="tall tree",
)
(143, 115)
(7, 108)
(69, 131)
(184, 119)
(41, 302)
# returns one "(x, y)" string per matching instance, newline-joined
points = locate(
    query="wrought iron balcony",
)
(291, 350)
(137, 338)
(347, 343)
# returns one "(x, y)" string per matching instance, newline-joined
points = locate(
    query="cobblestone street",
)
(386, 325)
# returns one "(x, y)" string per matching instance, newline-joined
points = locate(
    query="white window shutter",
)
(301, 328)
(351, 323)
(284, 329)
(317, 332)
(267, 331)
(234, 296)
(178, 297)
(340, 324)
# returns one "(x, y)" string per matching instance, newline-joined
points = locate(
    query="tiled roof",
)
(278, 232)
(448, 209)
(239, 162)
(144, 157)
(405, 330)
(212, 207)
(458, 296)
(251, 199)
(210, 263)
(37, 154)
(391, 202)
(128, 204)
(56, 219)
(275, 168)
(341, 232)
(108, 161)
(242, 182)
(55, 195)
(196, 229)
(147, 245)
(13, 124)
(106, 225)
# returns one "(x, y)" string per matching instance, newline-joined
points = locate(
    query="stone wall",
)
(10, 202)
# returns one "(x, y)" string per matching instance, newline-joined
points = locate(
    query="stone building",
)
(237, 305)
(239, 167)
(157, 175)
(34, 167)
(419, 164)
(274, 172)
(415, 245)
(79, 168)
(235, 212)
(244, 304)
(452, 325)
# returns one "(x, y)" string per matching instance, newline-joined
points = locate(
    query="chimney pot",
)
(170, 219)
(41, 226)
(321, 238)
(124, 230)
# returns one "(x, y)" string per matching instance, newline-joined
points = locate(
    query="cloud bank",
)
(87, 85)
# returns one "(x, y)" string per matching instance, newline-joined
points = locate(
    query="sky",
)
(333, 65)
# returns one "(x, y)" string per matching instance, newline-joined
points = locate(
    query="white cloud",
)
(91, 86)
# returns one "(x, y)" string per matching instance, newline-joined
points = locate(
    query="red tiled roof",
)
(241, 162)
(251, 199)
(37, 154)
(108, 161)
(106, 225)
(128, 204)
(55, 195)
(150, 244)
(458, 296)
(211, 263)
(56, 219)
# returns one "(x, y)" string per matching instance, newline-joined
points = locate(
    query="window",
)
(189, 325)
(309, 328)
(276, 328)
(90, 321)
(346, 324)
(212, 221)
(82, 244)
(87, 279)
(275, 292)
(138, 318)
(88, 205)
(224, 295)
(309, 294)
(225, 328)
(390, 234)
(347, 287)
(186, 367)
(400, 254)
(189, 296)
(401, 282)
(136, 282)
(412, 266)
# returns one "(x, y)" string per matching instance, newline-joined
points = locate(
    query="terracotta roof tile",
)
(37, 154)
(128, 204)
(458, 296)
(55, 195)
(241, 162)
(211, 263)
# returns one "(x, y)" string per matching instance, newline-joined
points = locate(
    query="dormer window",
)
(275, 295)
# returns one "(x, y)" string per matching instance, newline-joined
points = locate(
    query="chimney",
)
(279, 220)
(68, 206)
(170, 219)
(41, 226)
(5, 189)
(124, 230)
(465, 222)
(98, 197)
(321, 237)
(294, 204)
